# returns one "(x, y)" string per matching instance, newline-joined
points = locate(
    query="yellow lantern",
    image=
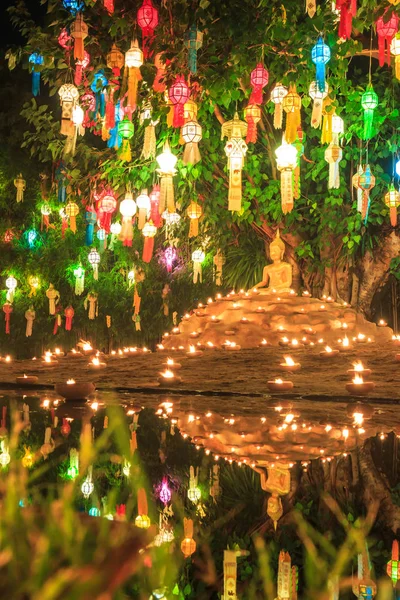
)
(33, 283)
(149, 140)
(72, 210)
(286, 160)
(188, 545)
(133, 62)
(194, 213)
(68, 97)
(291, 104)
(235, 150)
(191, 134)
(79, 31)
(333, 156)
(392, 201)
(190, 110)
(166, 169)
(115, 60)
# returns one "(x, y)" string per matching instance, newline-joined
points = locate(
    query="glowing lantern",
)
(45, 211)
(68, 97)
(291, 104)
(79, 31)
(20, 184)
(34, 284)
(392, 201)
(252, 115)
(355, 182)
(98, 85)
(165, 493)
(194, 41)
(7, 310)
(142, 520)
(79, 274)
(166, 169)
(170, 256)
(143, 204)
(91, 220)
(64, 39)
(155, 206)
(101, 235)
(188, 545)
(125, 130)
(386, 29)
(320, 55)
(149, 231)
(81, 65)
(73, 6)
(133, 62)
(194, 213)
(72, 210)
(4, 454)
(87, 487)
(147, 19)
(395, 51)
(127, 209)
(105, 209)
(258, 80)
(198, 256)
(333, 156)
(348, 10)
(11, 285)
(191, 134)
(235, 150)
(366, 181)
(69, 315)
(115, 230)
(369, 101)
(178, 94)
(149, 140)
(393, 566)
(36, 60)
(115, 60)
(94, 259)
(318, 98)
(109, 6)
(190, 110)
(286, 160)
(277, 95)
(8, 236)
(73, 468)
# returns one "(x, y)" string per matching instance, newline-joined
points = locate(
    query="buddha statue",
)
(277, 277)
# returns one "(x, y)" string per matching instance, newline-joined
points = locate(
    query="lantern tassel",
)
(296, 182)
(125, 151)
(148, 248)
(316, 116)
(334, 176)
(192, 60)
(287, 200)
(293, 122)
(251, 131)
(167, 199)
(235, 189)
(89, 234)
(142, 216)
(320, 76)
(393, 216)
(191, 154)
(133, 83)
(178, 120)
(149, 142)
(79, 50)
(110, 112)
(194, 228)
(35, 83)
(197, 272)
(278, 115)
(368, 120)
(126, 234)
(326, 136)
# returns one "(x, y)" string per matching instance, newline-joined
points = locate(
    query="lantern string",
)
(370, 60)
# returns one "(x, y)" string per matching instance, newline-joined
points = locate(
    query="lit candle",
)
(306, 294)
(95, 363)
(171, 364)
(263, 343)
(309, 330)
(328, 352)
(210, 345)
(295, 344)
(358, 369)
(260, 309)
(193, 352)
(236, 306)
(330, 299)
(168, 377)
(361, 338)
(48, 360)
(255, 291)
(289, 364)
(58, 352)
(345, 343)
(219, 296)
(160, 347)
(215, 319)
(176, 331)
(382, 323)
(230, 345)
(284, 341)
(359, 387)
(396, 340)
(322, 307)
(74, 353)
(194, 334)
(72, 390)
(278, 385)
(244, 320)
(281, 329)
(7, 359)
(26, 379)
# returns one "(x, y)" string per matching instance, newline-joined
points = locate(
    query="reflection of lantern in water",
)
(188, 545)
(142, 520)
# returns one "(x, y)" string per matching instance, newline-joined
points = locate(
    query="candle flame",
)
(47, 359)
(57, 351)
(289, 418)
(95, 361)
(328, 349)
(264, 342)
(192, 349)
(358, 418)
(210, 344)
(279, 381)
(382, 322)
(358, 366)
(87, 346)
(160, 346)
(167, 374)
(289, 361)
(70, 381)
(170, 362)
(25, 376)
(358, 380)
(285, 339)
(361, 336)
(295, 342)
(346, 341)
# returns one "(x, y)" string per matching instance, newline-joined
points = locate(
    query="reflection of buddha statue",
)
(277, 276)
(277, 484)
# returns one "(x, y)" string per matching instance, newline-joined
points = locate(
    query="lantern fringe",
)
(287, 191)
(393, 216)
(296, 183)
(70, 145)
(167, 199)
(110, 111)
(192, 60)
(293, 123)
(178, 118)
(35, 83)
(251, 131)
(235, 190)
(79, 50)
(133, 82)
(278, 115)
(334, 175)
(126, 235)
(316, 116)
(191, 154)
(142, 216)
(125, 151)
(194, 228)
(149, 142)
(148, 248)
(368, 120)
(397, 67)
(197, 272)
(326, 136)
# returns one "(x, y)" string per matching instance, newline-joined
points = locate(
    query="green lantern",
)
(125, 131)
(369, 101)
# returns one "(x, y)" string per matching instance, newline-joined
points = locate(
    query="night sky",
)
(8, 35)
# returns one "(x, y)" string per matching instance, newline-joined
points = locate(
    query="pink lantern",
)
(178, 94)
(65, 40)
(105, 209)
(348, 10)
(165, 492)
(386, 30)
(147, 19)
(258, 79)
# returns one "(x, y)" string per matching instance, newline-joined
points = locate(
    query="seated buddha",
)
(277, 277)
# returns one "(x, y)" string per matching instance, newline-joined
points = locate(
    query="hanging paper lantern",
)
(355, 181)
(7, 310)
(94, 259)
(188, 545)
(191, 134)
(9, 235)
(11, 285)
(190, 110)
(125, 131)
(133, 62)
(386, 28)
(79, 274)
(155, 206)
(166, 169)
(392, 201)
(36, 60)
(194, 213)
(333, 156)
(101, 235)
(393, 566)
(149, 231)
(81, 65)
(366, 182)
(115, 230)
(395, 51)
(194, 41)
(143, 205)
(252, 115)
(31, 237)
(320, 55)
(258, 80)
(149, 141)
(291, 104)
(72, 210)
(87, 487)
(69, 315)
(115, 60)
(198, 257)
(65, 40)
(98, 85)
(73, 6)
(68, 97)
(45, 211)
(91, 220)
(286, 160)
(79, 31)
(147, 19)
(127, 208)
(109, 6)
(318, 98)
(235, 150)
(34, 284)
(20, 184)
(348, 10)
(165, 493)
(179, 94)
(369, 101)
(337, 128)
(88, 104)
(170, 256)
(106, 207)
(277, 95)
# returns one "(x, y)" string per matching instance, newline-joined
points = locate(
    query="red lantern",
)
(7, 309)
(155, 206)
(147, 18)
(348, 10)
(8, 236)
(69, 315)
(105, 209)
(178, 94)
(109, 6)
(386, 30)
(258, 79)
(65, 40)
(65, 428)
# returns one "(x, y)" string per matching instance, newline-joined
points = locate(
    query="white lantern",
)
(143, 204)
(77, 116)
(134, 56)
(318, 98)
(166, 160)
(286, 160)
(191, 134)
(127, 209)
(11, 284)
(115, 228)
(94, 259)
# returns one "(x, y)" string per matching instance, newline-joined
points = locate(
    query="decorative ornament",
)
(64, 39)
(36, 60)
(178, 95)
(34, 284)
(165, 493)
(166, 169)
(5, 457)
(318, 98)
(258, 80)
(69, 315)
(386, 28)
(109, 6)
(72, 210)
(348, 10)
(147, 19)
(149, 140)
(115, 230)
(92, 302)
(68, 98)
(393, 566)
(143, 205)
(170, 256)
(57, 319)
(230, 573)
(53, 296)
(87, 487)
(149, 231)
(194, 213)
(91, 220)
(333, 156)
(311, 7)
(81, 65)
(98, 86)
(30, 316)
(11, 285)
(73, 6)
(191, 133)
(155, 206)
(366, 182)
(73, 468)
(127, 209)
(277, 95)
(79, 274)
(392, 201)
(252, 116)
(369, 101)
(235, 149)
(218, 261)
(194, 41)
(286, 161)
(133, 62)
(106, 207)
(142, 520)
(125, 131)
(20, 184)
(291, 104)
(355, 182)
(320, 55)
(94, 259)
(7, 310)
(188, 545)
(79, 31)
(198, 256)
(45, 211)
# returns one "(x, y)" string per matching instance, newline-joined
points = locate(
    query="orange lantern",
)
(188, 545)
(194, 213)
(72, 210)
(143, 519)
(392, 201)
(79, 31)
(252, 115)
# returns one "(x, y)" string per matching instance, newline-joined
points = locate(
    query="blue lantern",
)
(194, 41)
(35, 60)
(94, 512)
(398, 168)
(31, 237)
(321, 55)
(98, 84)
(91, 219)
(114, 141)
(73, 6)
